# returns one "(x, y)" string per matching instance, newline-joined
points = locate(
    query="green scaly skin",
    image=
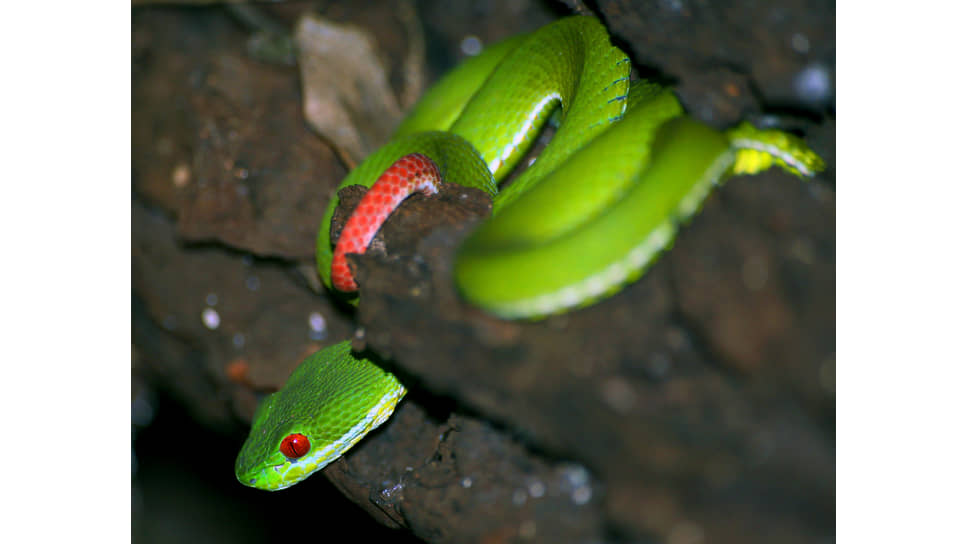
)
(605, 197)
(334, 398)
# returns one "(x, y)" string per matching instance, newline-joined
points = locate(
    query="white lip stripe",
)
(379, 413)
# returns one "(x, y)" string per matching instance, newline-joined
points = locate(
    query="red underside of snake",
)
(409, 174)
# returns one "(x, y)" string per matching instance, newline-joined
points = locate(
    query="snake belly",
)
(602, 200)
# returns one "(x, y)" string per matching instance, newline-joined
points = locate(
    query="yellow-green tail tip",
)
(757, 150)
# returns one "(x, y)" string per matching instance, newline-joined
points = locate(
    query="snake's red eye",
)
(294, 446)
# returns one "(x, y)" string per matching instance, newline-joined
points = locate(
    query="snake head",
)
(329, 403)
(262, 462)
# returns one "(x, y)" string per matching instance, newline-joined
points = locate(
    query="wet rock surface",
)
(697, 405)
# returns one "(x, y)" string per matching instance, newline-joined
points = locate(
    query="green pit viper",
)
(601, 201)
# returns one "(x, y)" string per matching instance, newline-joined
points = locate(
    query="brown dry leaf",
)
(347, 97)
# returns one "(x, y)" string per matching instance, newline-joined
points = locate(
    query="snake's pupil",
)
(294, 446)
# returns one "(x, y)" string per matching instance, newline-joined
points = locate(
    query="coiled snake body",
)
(603, 199)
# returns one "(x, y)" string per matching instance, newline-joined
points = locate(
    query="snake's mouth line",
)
(294, 471)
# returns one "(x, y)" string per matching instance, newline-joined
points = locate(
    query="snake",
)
(625, 167)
